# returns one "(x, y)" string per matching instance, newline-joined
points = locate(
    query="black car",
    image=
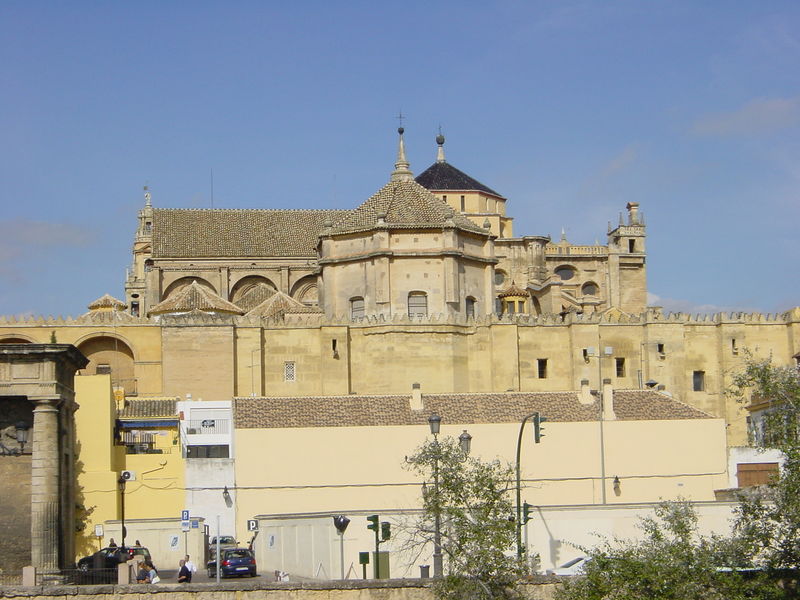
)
(102, 565)
(233, 562)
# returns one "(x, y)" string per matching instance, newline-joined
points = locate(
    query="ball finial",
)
(440, 139)
(400, 130)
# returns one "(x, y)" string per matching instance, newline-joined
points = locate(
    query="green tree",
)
(769, 517)
(670, 561)
(476, 515)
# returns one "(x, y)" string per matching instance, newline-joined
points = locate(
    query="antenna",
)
(212, 187)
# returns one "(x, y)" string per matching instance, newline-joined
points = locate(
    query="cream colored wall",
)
(341, 469)
(213, 362)
(199, 361)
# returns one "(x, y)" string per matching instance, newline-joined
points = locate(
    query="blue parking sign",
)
(184, 515)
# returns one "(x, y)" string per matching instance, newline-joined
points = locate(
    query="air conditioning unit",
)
(191, 430)
(128, 475)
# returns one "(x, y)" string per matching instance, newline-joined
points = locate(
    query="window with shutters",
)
(756, 473)
(417, 304)
(356, 308)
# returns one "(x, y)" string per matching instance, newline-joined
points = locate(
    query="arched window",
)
(418, 304)
(589, 289)
(469, 306)
(565, 272)
(356, 308)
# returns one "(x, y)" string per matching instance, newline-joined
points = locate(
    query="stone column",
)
(45, 522)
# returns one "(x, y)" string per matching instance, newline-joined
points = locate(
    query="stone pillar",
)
(45, 484)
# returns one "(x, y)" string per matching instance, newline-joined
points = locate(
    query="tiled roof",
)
(148, 409)
(444, 176)
(254, 296)
(513, 290)
(511, 407)
(279, 304)
(199, 233)
(107, 317)
(107, 301)
(403, 204)
(195, 297)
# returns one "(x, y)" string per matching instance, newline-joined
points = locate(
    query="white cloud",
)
(33, 240)
(761, 115)
(621, 161)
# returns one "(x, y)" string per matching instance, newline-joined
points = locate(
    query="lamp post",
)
(435, 422)
(121, 485)
(519, 480)
(341, 522)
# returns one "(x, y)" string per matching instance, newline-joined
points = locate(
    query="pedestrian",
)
(152, 574)
(190, 565)
(142, 576)
(184, 574)
(112, 543)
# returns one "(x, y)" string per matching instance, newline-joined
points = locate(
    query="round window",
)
(589, 289)
(565, 273)
(499, 278)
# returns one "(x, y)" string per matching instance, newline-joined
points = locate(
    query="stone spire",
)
(147, 197)
(440, 152)
(401, 171)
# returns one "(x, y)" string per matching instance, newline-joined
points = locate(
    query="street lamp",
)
(435, 422)
(465, 442)
(22, 435)
(121, 485)
(537, 418)
(341, 522)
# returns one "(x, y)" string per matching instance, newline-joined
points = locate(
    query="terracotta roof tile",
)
(511, 407)
(195, 297)
(404, 204)
(199, 233)
(279, 304)
(107, 301)
(148, 409)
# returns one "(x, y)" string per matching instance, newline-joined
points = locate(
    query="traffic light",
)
(386, 531)
(527, 509)
(373, 523)
(538, 429)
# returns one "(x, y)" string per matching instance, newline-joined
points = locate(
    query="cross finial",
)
(400, 118)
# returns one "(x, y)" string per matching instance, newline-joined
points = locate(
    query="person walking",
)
(189, 564)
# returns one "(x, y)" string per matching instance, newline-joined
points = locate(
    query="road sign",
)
(252, 525)
(98, 530)
(185, 526)
(185, 515)
(195, 524)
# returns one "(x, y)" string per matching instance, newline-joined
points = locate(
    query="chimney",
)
(608, 401)
(585, 395)
(416, 396)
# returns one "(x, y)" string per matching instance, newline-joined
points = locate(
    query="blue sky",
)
(569, 109)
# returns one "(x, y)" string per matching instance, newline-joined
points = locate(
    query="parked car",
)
(571, 567)
(101, 567)
(233, 562)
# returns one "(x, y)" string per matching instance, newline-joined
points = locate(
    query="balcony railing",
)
(207, 426)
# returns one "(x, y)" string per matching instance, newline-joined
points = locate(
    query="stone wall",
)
(15, 513)
(348, 590)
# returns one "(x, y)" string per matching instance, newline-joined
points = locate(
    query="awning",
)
(149, 423)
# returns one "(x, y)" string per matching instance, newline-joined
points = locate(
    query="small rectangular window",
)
(541, 367)
(660, 348)
(135, 309)
(469, 307)
(734, 347)
(620, 366)
(444, 198)
(103, 369)
(698, 381)
(463, 204)
(289, 372)
(631, 245)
